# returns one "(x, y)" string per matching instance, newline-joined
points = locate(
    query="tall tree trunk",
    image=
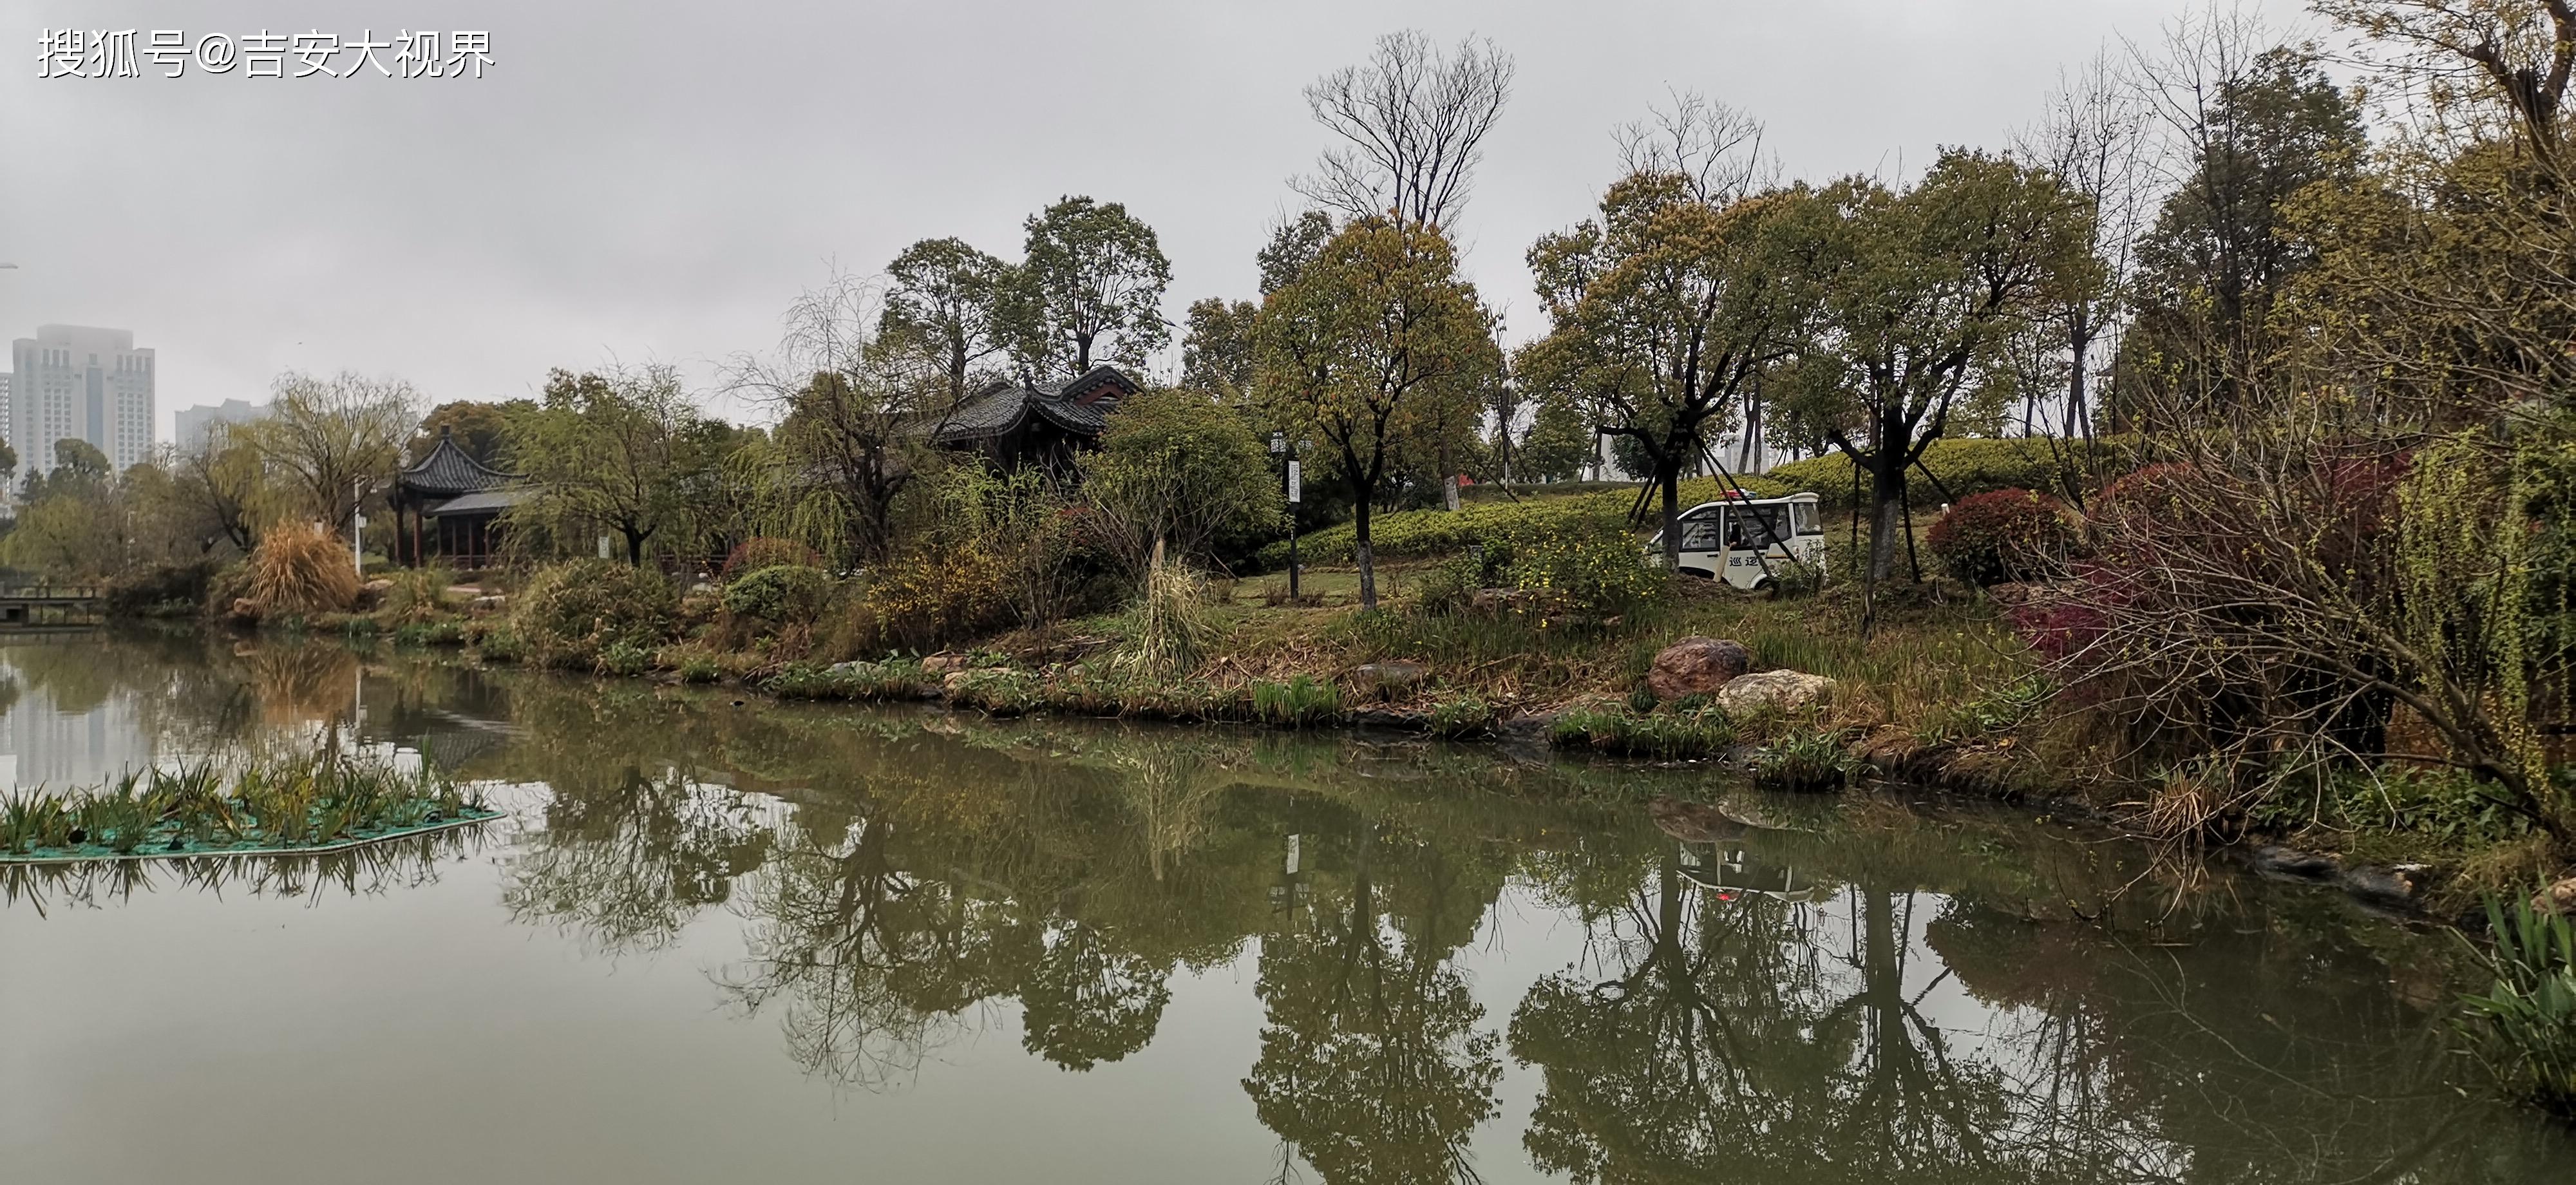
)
(1887, 504)
(1668, 475)
(1360, 548)
(2079, 341)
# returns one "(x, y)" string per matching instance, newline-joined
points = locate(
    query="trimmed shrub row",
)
(1420, 533)
(1970, 467)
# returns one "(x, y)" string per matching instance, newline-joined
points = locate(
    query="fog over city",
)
(655, 181)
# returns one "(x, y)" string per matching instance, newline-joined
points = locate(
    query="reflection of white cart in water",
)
(1746, 541)
(1731, 873)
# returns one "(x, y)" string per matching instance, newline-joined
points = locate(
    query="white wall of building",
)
(74, 381)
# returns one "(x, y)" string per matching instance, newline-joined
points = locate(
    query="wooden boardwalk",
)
(50, 607)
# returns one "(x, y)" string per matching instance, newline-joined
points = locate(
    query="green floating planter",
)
(249, 845)
(323, 802)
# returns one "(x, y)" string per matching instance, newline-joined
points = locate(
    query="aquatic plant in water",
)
(1666, 736)
(1296, 703)
(2524, 1026)
(1801, 761)
(306, 801)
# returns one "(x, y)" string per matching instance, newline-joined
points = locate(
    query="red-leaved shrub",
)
(2005, 535)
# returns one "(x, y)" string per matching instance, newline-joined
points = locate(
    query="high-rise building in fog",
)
(197, 424)
(81, 383)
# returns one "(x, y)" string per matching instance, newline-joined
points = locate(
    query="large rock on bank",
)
(1781, 691)
(1392, 680)
(1697, 666)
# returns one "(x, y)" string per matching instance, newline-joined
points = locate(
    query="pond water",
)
(745, 941)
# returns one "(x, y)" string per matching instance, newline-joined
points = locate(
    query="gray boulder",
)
(1779, 691)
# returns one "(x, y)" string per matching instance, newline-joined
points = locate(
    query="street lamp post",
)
(1279, 447)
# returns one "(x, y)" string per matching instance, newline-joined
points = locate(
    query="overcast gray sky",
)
(654, 180)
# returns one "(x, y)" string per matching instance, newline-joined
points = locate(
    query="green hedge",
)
(1969, 467)
(1426, 533)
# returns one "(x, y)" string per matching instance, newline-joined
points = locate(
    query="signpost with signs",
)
(1296, 491)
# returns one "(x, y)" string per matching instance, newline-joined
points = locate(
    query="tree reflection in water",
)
(1826, 990)
(1372, 1065)
(1894, 1035)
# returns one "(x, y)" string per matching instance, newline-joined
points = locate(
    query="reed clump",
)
(300, 569)
(309, 800)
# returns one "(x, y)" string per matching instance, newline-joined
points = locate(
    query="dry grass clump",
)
(2185, 807)
(1172, 628)
(299, 568)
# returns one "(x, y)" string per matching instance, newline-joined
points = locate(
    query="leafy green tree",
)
(2095, 137)
(2219, 256)
(8, 463)
(1440, 437)
(1558, 444)
(1092, 283)
(1294, 243)
(1216, 348)
(481, 429)
(223, 476)
(69, 528)
(622, 450)
(953, 299)
(2435, 296)
(1918, 296)
(1668, 311)
(80, 459)
(1376, 322)
(1176, 468)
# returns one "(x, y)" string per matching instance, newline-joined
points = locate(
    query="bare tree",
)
(2095, 138)
(1416, 120)
(857, 412)
(334, 441)
(2185, 78)
(1715, 149)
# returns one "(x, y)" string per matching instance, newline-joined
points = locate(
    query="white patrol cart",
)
(1747, 541)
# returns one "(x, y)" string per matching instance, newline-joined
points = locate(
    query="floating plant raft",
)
(315, 803)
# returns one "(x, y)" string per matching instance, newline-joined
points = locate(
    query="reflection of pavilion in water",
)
(1730, 870)
(449, 736)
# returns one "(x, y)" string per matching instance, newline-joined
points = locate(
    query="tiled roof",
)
(1080, 405)
(486, 502)
(447, 471)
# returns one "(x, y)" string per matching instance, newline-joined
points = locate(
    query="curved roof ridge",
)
(451, 470)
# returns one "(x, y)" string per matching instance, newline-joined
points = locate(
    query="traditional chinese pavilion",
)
(444, 505)
(1019, 425)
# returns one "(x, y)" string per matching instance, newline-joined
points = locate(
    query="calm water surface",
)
(746, 942)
